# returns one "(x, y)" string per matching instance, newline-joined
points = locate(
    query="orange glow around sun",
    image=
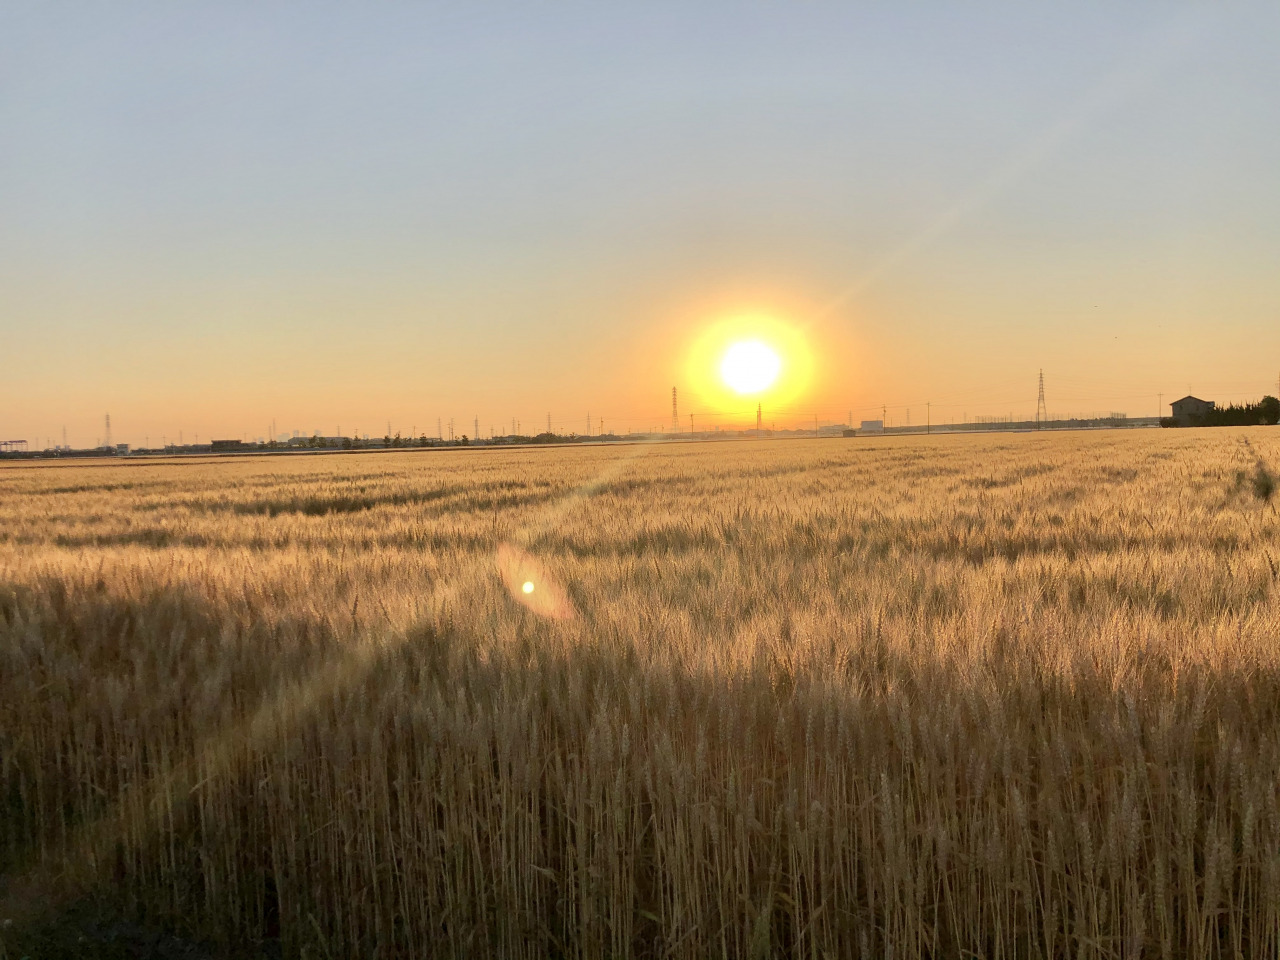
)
(748, 359)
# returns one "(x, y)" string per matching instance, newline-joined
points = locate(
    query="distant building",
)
(871, 426)
(218, 445)
(848, 432)
(122, 449)
(1190, 411)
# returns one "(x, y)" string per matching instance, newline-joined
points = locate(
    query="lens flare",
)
(532, 585)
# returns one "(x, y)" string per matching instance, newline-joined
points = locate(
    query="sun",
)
(741, 360)
(750, 366)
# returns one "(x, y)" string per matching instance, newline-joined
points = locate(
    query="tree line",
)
(1265, 411)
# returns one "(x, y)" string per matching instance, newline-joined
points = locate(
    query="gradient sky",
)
(217, 215)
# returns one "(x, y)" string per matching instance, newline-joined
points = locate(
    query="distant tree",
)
(386, 441)
(463, 441)
(1242, 415)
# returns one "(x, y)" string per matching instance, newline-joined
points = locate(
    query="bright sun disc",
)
(750, 366)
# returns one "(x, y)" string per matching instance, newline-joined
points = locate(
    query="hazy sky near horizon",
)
(213, 216)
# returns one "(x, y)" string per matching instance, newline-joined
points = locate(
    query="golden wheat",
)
(955, 696)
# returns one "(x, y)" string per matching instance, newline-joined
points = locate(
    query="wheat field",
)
(967, 696)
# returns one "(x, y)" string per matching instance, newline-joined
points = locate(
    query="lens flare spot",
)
(532, 584)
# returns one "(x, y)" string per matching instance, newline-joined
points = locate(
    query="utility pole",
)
(588, 423)
(691, 424)
(1160, 404)
(928, 417)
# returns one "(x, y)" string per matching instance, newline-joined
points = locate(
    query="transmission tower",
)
(675, 417)
(107, 440)
(1042, 413)
(548, 422)
(757, 420)
(476, 434)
